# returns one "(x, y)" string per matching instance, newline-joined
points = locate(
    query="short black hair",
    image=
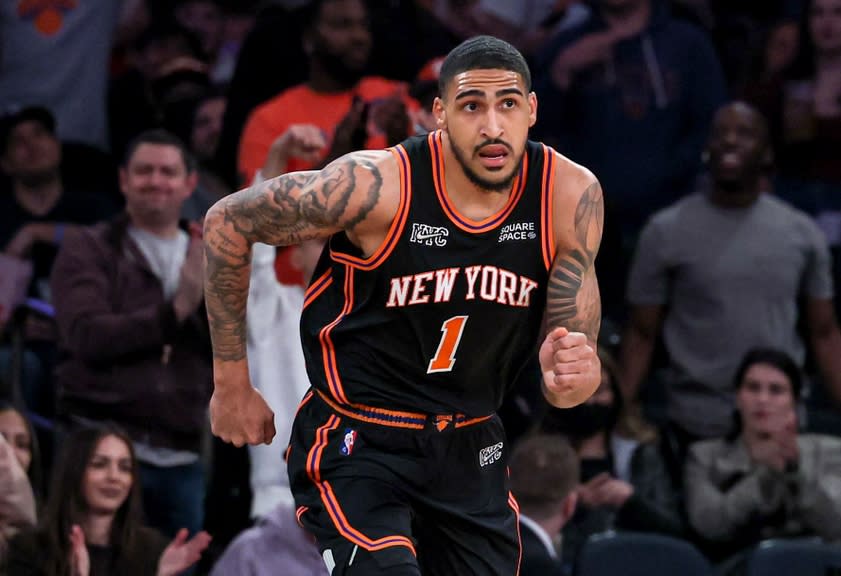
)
(161, 137)
(11, 120)
(483, 53)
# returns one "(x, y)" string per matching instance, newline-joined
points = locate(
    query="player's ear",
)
(439, 112)
(532, 109)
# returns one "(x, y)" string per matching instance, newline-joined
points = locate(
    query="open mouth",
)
(730, 160)
(493, 156)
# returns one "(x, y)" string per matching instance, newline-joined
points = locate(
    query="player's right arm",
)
(354, 193)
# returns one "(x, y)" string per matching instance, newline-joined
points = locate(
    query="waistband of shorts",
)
(400, 419)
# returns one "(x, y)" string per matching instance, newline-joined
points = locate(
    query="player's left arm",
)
(568, 357)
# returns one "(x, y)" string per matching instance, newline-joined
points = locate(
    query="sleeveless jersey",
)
(445, 315)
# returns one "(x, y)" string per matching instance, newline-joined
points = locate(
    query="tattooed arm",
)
(356, 193)
(571, 369)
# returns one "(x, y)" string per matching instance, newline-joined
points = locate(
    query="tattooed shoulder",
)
(301, 205)
(572, 293)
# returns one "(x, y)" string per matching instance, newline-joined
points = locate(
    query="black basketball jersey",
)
(444, 316)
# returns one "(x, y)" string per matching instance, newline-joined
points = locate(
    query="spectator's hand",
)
(21, 243)
(391, 118)
(569, 364)
(589, 494)
(190, 290)
(767, 451)
(614, 492)
(182, 553)
(592, 49)
(239, 414)
(17, 505)
(80, 563)
(302, 141)
(351, 132)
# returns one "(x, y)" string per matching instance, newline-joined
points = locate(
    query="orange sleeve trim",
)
(547, 206)
(317, 288)
(396, 229)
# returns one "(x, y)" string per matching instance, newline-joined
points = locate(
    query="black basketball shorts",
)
(402, 493)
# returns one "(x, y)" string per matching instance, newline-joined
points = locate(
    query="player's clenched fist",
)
(570, 366)
(240, 415)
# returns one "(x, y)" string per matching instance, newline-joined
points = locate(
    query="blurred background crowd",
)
(714, 127)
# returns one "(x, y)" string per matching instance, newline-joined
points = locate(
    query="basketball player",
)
(446, 255)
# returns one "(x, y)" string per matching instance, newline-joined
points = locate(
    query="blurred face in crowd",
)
(738, 146)
(204, 19)
(207, 126)
(33, 153)
(781, 47)
(825, 26)
(487, 115)
(108, 476)
(341, 39)
(14, 429)
(764, 395)
(155, 183)
(152, 59)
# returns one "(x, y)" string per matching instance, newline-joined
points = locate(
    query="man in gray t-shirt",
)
(721, 272)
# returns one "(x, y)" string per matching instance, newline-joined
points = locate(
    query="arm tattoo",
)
(573, 292)
(285, 210)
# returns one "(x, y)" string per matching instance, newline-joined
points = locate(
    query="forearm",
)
(227, 271)
(827, 350)
(635, 361)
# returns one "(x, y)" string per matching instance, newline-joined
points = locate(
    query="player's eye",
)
(471, 106)
(509, 103)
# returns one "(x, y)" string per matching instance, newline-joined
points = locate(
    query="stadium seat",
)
(639, 554)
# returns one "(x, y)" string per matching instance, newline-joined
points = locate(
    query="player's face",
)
(738, 146)
(487, 115)
(156, 183)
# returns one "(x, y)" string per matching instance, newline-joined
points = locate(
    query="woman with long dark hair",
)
(92, 524)
(765, 480)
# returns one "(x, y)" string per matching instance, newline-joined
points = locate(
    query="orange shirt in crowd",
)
(301, 105)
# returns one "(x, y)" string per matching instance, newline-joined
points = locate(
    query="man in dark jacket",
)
(544, 475)
(133, 332)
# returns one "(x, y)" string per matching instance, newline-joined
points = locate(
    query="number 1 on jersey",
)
(445, 356)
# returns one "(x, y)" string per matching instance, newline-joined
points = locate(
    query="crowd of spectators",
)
(714, 127)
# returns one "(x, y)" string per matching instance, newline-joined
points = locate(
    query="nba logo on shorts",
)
(350, 439)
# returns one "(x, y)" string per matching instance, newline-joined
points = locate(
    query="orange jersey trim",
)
(435, 140)
(512, 503)
(316, 288)
(331, 369)
(396, 229)
(378, 415)
(547, 206)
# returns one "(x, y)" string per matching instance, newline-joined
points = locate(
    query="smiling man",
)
(421, 314)
(133, 333)
(724, 271)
